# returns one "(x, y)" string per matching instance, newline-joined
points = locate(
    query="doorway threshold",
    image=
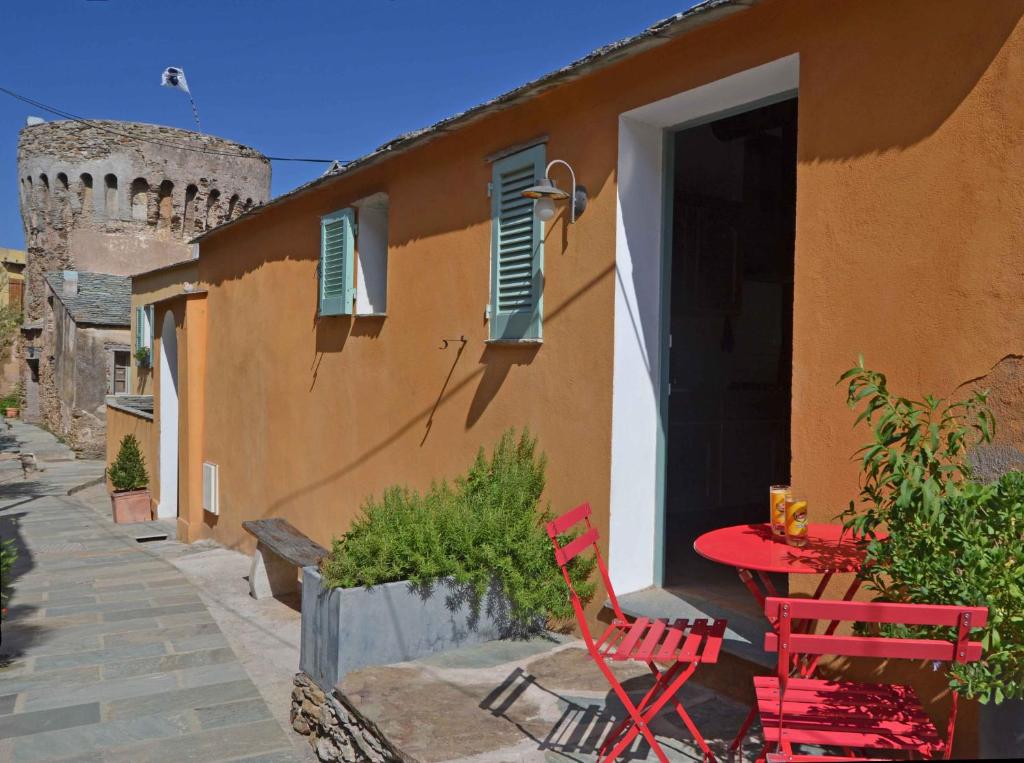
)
(744, 636)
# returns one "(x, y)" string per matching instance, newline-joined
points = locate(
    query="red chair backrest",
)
(788, 644)
(578, 521)
(958, 648)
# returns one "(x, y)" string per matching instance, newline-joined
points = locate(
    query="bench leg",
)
(270, 575)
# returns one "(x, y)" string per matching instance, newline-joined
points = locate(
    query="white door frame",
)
(639, 400)
(168, 506)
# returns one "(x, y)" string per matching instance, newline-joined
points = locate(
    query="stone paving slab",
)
(109, 652)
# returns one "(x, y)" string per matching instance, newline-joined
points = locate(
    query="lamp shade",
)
(545, 189)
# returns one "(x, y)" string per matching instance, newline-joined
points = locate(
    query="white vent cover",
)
(211, 499)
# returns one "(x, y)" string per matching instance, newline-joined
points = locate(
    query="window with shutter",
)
(337, 232)
(517, 249)
(140, 327)
(150, 323)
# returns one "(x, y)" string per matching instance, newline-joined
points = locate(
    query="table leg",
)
(748, 581)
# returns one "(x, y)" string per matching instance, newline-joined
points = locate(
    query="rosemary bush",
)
(485, 527)
(950, 539)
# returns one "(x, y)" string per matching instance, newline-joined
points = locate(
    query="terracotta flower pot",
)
(131, 506)
(11, 413)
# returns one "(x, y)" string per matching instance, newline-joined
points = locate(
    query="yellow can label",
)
(796, 518)
(778, 505)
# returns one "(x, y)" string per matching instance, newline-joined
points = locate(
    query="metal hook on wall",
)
(444, 342)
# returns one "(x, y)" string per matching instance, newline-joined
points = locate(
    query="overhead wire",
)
(166, 143)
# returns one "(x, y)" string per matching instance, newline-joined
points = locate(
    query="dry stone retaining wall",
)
(336, 730)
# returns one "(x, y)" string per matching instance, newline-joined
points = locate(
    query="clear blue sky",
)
(312, 78)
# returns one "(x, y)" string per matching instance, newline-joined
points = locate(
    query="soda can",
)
(796, 521)
(777, 496)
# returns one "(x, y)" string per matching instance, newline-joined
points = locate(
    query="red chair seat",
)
(842, 714)
(663, 641)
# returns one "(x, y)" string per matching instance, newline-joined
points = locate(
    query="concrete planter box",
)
(344, 629)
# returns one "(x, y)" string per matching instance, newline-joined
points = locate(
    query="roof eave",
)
(654, 36)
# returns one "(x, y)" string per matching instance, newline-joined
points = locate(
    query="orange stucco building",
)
(773, 188)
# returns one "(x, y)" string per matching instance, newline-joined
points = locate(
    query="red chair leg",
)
(661, 679)
(744, 729)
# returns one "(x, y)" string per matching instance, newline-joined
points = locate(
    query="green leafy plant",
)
(950, 540)
(486, 527)
(10, 325)
(13, 398)
(142, 357)
(128, 470)
(8, 556)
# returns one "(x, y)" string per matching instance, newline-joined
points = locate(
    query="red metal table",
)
(754, 549)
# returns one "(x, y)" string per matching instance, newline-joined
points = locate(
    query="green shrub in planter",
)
(128, 470)
(142, 357)
(950, 539)
(485, 526)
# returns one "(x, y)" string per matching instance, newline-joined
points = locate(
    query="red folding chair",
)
(680, 645)
(855, 716)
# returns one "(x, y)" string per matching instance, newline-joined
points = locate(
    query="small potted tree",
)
(142, 357)
(130, 500)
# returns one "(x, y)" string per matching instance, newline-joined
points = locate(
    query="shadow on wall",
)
(880, 72)
(503, 360)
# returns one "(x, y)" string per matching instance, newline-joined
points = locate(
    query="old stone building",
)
(86, 343)
(114, 198)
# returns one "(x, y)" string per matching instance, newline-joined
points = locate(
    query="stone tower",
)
(124, 197)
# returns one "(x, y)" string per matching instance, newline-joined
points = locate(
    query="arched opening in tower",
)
(212, 209)
(110, 196)
(189, 213)
(165, 205)
(85, 192)
(140, 193)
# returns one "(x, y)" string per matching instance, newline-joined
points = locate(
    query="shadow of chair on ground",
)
(584, 723)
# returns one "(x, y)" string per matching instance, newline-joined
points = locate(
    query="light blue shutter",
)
(150, 328)
(517, 248)
(140, 327)
(336, 262)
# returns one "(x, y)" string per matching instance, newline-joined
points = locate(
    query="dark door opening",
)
(733, 219)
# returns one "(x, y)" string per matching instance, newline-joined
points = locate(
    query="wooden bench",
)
(280, 548)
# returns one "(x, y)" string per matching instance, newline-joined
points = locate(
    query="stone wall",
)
(123, 197)
(75, 372)
(118, 198)
(336, 730)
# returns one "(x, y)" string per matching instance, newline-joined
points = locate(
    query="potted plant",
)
(460, 564)
(951, 539)
(11, 403)
(130, 500)
(142, 357)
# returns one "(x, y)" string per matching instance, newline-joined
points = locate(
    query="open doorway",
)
(732, 218)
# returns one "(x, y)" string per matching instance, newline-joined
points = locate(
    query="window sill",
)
(370, 315)
(515, 342)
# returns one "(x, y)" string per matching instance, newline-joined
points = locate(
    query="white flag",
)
(174, 77)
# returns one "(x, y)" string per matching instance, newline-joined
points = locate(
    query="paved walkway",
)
(109, 653)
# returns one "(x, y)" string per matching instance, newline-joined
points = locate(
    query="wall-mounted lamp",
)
(546, 193)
